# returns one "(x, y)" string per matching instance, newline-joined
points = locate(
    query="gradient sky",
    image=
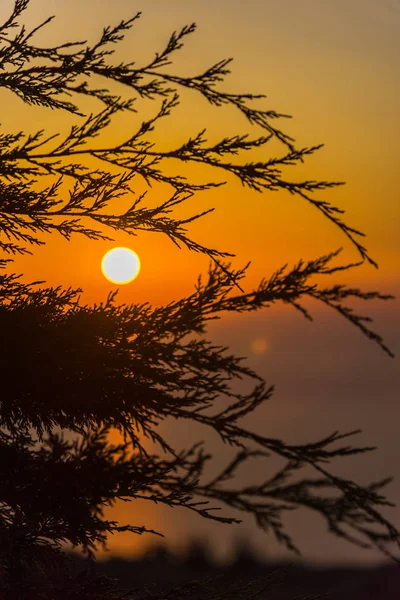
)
(334, 66)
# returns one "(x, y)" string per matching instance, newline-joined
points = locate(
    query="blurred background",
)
(334, 66)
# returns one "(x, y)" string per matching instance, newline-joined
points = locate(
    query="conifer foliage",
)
(66, 367)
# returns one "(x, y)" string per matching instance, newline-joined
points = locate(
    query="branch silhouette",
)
(69, 368)
(42, 85)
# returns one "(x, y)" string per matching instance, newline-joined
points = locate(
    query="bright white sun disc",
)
(120, 265)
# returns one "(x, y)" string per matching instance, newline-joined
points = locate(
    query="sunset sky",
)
(334, 66)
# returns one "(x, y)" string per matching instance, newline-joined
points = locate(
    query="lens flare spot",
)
(259, 345)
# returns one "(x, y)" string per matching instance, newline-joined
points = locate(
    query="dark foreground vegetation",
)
(159, 570)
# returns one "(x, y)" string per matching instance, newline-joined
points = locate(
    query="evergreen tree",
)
(70, 368)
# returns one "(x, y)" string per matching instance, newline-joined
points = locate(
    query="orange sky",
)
(333, 68)
(333, 65)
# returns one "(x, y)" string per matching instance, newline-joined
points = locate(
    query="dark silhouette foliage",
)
(71, 368)
(298, 580)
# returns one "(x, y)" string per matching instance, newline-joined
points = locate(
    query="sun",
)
(120, 265)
